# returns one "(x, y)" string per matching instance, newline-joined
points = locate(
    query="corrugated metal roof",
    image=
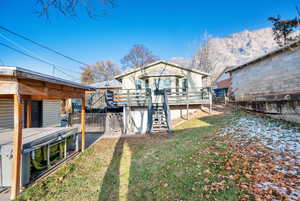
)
(29, 74)
(107, 84)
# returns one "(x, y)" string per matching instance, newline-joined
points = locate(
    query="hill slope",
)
(238, 48)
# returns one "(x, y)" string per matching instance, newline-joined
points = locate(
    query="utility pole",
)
(53, 70)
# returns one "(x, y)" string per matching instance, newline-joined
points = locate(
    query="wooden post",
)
(210, 99)
(82, 124)
(28, 113)
(17, 147)
(187, 104)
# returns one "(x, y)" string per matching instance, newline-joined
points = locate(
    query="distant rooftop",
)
(107, 84)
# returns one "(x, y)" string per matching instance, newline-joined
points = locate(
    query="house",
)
(270, 84)
(96, 99)
(159, 92)
(31, 140)
(222, 84)
(160, 75)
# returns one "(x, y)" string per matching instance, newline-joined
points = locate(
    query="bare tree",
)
(138, 57)
(99, 72)
(69, 7)
(201, 59)
(207, 60)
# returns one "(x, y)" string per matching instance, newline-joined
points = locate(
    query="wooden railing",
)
(132, 97)
(188, 96)
(175, 96)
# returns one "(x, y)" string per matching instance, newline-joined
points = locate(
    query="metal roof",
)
(133, 70)
(29, 74)
(285, 48)
(107, 84)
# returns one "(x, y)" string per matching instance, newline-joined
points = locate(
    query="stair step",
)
(159, 123)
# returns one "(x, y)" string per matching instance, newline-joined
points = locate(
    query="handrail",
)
(167, 111)
(150, 112)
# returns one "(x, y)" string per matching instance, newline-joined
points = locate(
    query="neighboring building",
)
(270, 83)
(31, 139)
(159, 92)
(97, 99)
(222, 84)
(107, 85)
(44, 113)
(223, 81)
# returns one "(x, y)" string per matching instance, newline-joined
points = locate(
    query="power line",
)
(38, 59)
(31, 52)
(43, 46)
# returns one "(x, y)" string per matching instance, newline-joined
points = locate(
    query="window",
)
(138, 84)
(146, 83)
(167, 82)
(184, 85)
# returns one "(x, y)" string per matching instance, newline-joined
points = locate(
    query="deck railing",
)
(136, 97)
(175, 96)
(188, 96)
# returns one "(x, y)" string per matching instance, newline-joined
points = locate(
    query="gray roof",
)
(107, 84)
(285, 48)
(133, 70)
(29, 74)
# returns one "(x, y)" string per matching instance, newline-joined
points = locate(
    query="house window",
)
(146, 83)
(167, 83)
(184, 85)
(138, 84)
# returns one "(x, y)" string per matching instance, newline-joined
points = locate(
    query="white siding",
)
(6, 113)
(194, 79)
(51, 113)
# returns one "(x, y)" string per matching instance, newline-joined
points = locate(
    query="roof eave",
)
(162, 61)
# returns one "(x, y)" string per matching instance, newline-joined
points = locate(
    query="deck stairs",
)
(159, 119)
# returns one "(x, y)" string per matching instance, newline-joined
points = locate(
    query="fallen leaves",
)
(266, 167)
(164, 185)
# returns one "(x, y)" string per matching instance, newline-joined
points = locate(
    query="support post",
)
(187, 104)
(210, 99)
(28, 113)
(17, 147)
(82, 124)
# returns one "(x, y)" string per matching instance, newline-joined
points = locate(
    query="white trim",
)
(157, 62)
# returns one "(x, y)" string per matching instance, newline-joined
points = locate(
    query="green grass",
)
(182, 166)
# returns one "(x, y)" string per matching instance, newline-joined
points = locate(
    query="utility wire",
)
(31, 52)
(37, 58)
(43, 46)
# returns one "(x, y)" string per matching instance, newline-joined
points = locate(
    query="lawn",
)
(188, 165)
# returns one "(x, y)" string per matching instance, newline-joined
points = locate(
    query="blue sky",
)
(167, 27)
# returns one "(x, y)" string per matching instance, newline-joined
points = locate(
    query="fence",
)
(106, 123)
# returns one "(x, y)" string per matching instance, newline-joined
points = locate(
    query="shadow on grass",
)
(143, 154)
(111, 181)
